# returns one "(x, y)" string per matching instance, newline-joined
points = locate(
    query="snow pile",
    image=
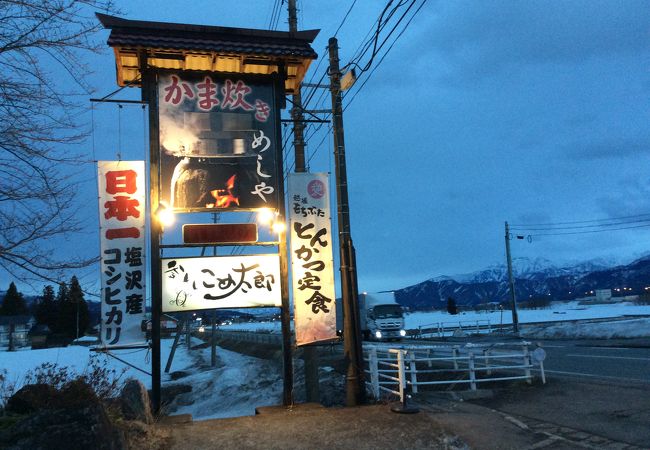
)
(235, 387)
(558, 312)
(629, 328)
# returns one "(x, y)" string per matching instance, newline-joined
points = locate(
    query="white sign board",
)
(122, 211)
(312, 267)
(190, 284)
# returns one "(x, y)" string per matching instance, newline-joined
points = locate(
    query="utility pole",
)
(149, 94)
(213, 330)
(310, 355)
(511, 283)
(353, 352)
(296, 112)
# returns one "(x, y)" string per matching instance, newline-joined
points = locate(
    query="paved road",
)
(624, 360)
(597, 395)
(627, 360)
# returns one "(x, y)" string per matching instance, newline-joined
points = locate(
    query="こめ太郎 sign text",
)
(221, 282)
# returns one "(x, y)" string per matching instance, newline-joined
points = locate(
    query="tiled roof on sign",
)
(173, 36)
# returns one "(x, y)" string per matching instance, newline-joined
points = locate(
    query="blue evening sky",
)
(482, 112)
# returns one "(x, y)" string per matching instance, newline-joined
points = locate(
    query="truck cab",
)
(382, 318)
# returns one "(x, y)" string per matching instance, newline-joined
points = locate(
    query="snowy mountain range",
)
(533, 278)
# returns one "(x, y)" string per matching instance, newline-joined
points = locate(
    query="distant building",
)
(603, 295)
(20, 326)
(38, 335)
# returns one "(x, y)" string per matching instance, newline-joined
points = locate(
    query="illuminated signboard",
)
(220, 282)
(311, 258)
(218, 142)
(122, 211)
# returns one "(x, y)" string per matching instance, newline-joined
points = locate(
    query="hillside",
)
(532, 278)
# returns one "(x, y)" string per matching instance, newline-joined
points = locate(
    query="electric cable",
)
(603, 226)
(345, 18)
(388, 50)
(577, 222)
(590, 231)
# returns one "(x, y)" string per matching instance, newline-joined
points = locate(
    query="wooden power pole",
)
(310, 355)
(511, 283)
(355, 391)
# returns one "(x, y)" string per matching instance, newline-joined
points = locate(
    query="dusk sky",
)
(482, 112)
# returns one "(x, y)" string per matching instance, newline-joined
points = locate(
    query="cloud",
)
(626, 198)
(608, 149)
(475, 39)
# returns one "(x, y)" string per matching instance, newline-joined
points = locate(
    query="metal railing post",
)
(541, 368)
(429, 362)
(374, 371)
(455, 355)
(414, 373)
(472, 373)
(401, 374)
(527, 364)
(486, 354)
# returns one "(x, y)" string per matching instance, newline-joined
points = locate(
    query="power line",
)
(276, 3)
(276, 19)
(577, 227)
(345, 18)
(550, 224)
(591, 231)
(389, 48)
(381, 24)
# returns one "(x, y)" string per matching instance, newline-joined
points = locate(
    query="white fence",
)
(395, 370)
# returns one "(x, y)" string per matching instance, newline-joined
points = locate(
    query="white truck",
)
(381, 318)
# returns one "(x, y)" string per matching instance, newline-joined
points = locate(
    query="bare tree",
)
(42, 45)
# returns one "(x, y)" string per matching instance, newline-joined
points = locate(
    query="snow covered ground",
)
(558, 312)
(235, 387)
(241, 383)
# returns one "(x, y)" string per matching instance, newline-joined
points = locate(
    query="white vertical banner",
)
(122, 211)
(312, 267)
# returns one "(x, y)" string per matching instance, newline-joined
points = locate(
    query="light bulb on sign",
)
(165, 215)
(278, 227)
(265, 215)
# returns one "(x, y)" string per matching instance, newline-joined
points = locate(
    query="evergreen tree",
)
(62, 297)
(451, 306)
(13, 303)
(47, 310)
(73, 315)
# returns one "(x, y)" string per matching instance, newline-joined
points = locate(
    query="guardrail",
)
(394, 370)
(441, 329)
(257, 337)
